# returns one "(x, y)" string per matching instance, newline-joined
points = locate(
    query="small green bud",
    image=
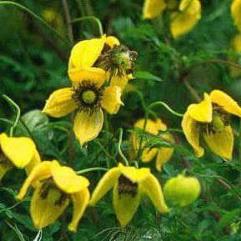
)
(181, 190)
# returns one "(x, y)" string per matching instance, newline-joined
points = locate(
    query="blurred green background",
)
(33, 63)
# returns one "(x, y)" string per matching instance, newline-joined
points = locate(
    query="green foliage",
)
(33, 63)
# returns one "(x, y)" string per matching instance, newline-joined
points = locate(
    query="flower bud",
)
(181, 190)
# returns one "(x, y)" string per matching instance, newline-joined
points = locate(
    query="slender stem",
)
(34, 15)
(157, 103)
(68, 21)
(18, 113)
(119, 148)
(192, 91)
(92, 18)
(92, 169)
(220, 61)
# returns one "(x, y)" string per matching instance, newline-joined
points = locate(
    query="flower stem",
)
(18, 113)
(92, 18)
(119, 148)
(157, 103)
(92, 169)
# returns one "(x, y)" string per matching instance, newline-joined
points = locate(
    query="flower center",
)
(126, 186)
(50, 191)
(220, 120)
(89, 96)
(118, 60)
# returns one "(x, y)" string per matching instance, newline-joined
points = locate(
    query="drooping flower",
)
(209, 119)
(55, 186)
(187, 16)
(183, 16)
(17, 152)
(236, 13)
(104, 53)
(129, 185)
(88, 97)
(182, 190)
(162, 154)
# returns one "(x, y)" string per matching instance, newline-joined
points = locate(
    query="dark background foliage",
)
(33, 63)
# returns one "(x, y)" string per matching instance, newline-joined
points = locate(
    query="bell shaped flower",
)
(210, 119)
(161, 154)
(104, 53)
(54, 187)
(236, 13)
(17, 152)
(88, 97)
(129, 185)
(183, 15)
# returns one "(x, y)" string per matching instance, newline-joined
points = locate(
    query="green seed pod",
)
(181, 190)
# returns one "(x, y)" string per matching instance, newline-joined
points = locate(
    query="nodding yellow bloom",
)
(129, 185)
(153, 8)
(55, 186)
(184, 15)
(183, 20)
(17, 152)
(236, 13)
(209, 119)
(162, 154)
(88, 97)
(105, 53)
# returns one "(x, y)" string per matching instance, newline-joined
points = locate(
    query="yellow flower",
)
(129, 185)
(88, 97)
(162, 154)
(236, 13)
(102, 53)
(17, 152)
(153, 8)
(183, 20)
(210, 120)
(184, 15)
(56, 186)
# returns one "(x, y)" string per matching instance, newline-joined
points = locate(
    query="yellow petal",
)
(202, 111)
(60, 103)
(120, 81)
(125, 205)
(151, 187)
(94, 75)
(105, 184)
(183, 22)
(111, 100)
(236, 13)
(39, 172)
(134, 174)
(46, 210)
(112, 41)
(34, 162)
(151, 126)
(80, 201)
(236, 43)
(164, 155)
(191, 132)
(86, 52)
(225, 102)
(18, 150)
(88, 126)
(153, 8)
(67, 180)
(148, 154)
(221, 142)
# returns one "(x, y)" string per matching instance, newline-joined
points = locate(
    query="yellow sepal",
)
(153, 8)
